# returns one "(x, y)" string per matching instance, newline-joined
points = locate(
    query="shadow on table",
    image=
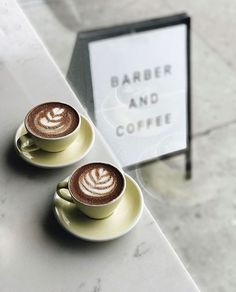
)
(22, 168)
(59, 236)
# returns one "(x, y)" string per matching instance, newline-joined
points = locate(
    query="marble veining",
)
(141, 249)
(84, 287)
(97, 287)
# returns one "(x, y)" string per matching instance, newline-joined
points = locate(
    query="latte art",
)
(52, 120)
(97, 182)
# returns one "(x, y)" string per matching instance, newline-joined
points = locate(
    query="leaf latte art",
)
(52, 119)
(97, 182)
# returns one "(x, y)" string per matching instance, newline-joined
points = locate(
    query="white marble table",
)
(36, 254)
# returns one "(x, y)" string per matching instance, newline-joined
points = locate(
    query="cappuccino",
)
(52, 120)
(96, 183)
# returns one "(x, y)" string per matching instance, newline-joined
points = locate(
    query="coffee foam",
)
(97, 183)
(52, 120)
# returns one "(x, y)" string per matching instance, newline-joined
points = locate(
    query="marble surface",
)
(198, 216)
(36, 254)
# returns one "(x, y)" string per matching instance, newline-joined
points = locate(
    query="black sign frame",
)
(79, 73)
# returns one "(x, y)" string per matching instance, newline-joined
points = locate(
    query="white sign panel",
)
(139, 84)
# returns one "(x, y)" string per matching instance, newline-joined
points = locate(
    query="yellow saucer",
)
(75, 152)
(124, 218)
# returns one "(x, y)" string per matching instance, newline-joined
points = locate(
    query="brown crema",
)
(96, 183)
(52, 120)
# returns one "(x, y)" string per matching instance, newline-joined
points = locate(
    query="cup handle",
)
(63, 192)
(26, 143)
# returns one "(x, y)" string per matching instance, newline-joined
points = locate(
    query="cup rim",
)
(104, 204)
(52, 138)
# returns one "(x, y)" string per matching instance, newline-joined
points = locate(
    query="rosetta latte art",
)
(97, 182)
(52, 120)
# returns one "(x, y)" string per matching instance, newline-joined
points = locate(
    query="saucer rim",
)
(50, 166)
(93, 239)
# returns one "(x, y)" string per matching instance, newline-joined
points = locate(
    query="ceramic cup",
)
(32, 142)
(95, 211)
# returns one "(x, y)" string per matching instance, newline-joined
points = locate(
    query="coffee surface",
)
(96, 183)
(52, 120)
